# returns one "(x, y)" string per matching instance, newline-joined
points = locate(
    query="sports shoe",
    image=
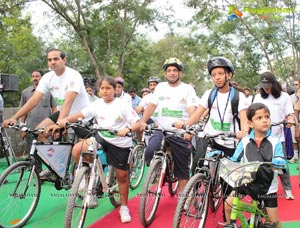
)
(293, 160)
(93, 202)
(47, 175)
(124, 214)
(289, 195)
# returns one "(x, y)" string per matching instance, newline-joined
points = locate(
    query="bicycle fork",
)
(162, 175)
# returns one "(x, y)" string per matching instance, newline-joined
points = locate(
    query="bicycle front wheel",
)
(114, 194)
(191, 210)
(20, 189)
(137, 166)
(150, 194)
(217, 194)
(76, 207)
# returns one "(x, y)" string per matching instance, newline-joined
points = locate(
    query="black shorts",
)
(116, 156)
(54, 116)
(270, 200)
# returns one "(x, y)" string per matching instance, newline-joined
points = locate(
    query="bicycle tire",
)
(76, 207)
(195, 194)
(114, 194)
(149, 192)
(137, 166)
(216, 193)
(172, 180)
(15, 207)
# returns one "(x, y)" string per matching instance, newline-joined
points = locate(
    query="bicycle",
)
(236, 175)
(204, 189)
(20, 184)
(160, 171)
(137, 161)
(90, 173)
(6, 148)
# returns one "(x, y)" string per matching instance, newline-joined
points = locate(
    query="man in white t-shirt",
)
(65, 85)
(174, 100)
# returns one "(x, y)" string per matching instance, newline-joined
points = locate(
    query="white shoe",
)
(289, 195)
(124, 214)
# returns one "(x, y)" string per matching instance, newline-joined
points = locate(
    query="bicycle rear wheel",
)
(192, 208)
(150, 196)
(20, 190)
(114, 194)
(137, 166)
(76, 207)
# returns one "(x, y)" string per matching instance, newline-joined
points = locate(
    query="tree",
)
(20, 52)
(105, 29)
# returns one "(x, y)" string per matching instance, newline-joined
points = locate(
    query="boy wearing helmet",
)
(221, 118)
(174, 100)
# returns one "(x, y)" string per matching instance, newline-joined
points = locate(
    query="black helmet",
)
(173, 62)
(153, 79)
(219, 62)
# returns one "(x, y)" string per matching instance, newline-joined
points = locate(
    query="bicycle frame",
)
(90, 158)
(55, 155)
(6, 148)
(238, 209)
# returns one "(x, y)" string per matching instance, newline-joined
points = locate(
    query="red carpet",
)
(288, 211)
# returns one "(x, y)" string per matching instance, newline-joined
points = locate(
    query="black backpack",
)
(234, 98)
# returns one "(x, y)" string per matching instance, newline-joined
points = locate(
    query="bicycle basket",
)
(251, 178)
(237, 174)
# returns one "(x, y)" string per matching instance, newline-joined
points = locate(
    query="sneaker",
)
(93, 202)
(47, 175)
(124, 214)
(289, 195)
(293, 160)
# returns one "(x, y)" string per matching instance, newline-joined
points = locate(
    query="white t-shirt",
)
(279, 108)
(144, 103)
(221, 110)
(70, 80)
(115, 115)
(172, 103)
(248, 100)
(126, 97)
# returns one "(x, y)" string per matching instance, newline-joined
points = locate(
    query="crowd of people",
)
(172, 105)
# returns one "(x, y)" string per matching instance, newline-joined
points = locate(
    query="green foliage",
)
(21, 51)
